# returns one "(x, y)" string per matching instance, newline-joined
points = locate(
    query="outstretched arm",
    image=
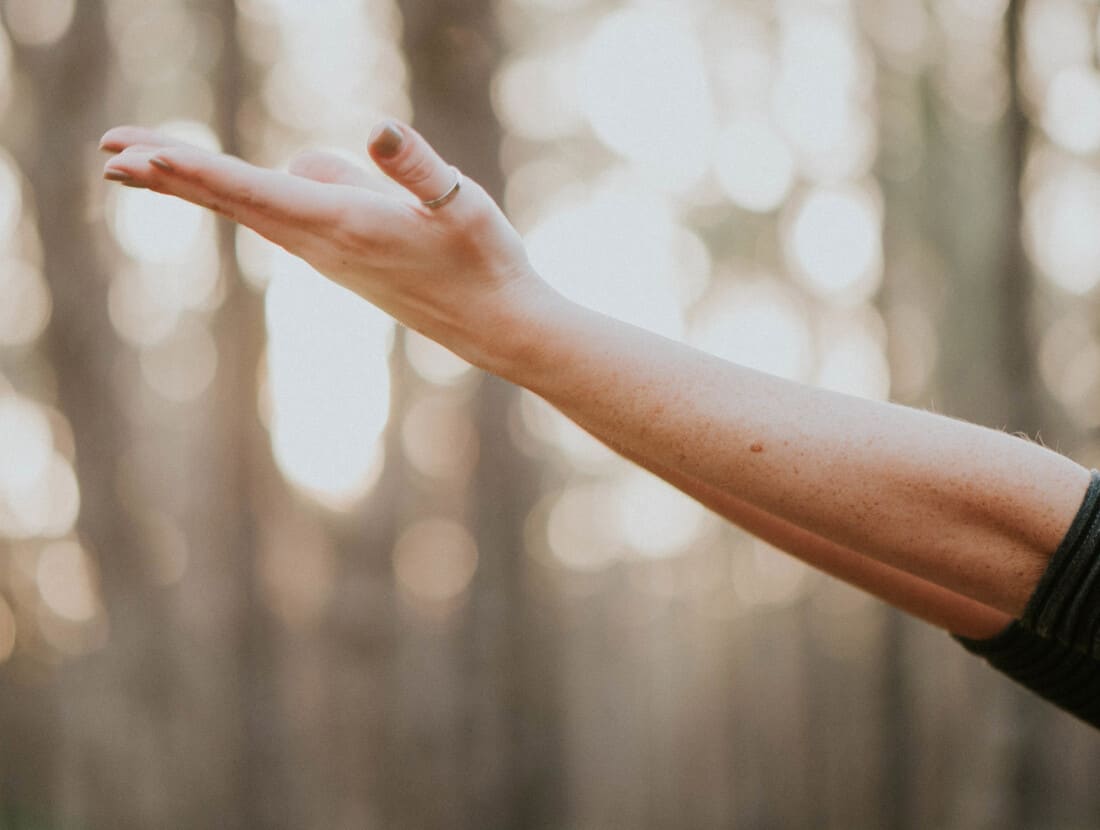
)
(922, 599)
(972, 510)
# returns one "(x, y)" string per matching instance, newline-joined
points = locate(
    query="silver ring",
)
(446, 197)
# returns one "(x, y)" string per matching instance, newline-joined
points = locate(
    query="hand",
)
(457, 273)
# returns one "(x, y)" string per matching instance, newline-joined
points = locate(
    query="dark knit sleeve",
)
(1066, 603)
(1054, 648)
(1067, 678)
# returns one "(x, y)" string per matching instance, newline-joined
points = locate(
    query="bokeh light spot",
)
(26, 305)
(613, 253)
(329, 383)
(156, 228)
(757, 324)
(755, 166)
(26, 444)
(643, 87)
(577, 530)
(38, 22)
(835, 243)
(1062, 213)
(439, 438)
(182, 366)
(1071, 115)
(7, 630)
(435, 560)
(433, 362)
(11, 197)
(655, 518)
(66, 580)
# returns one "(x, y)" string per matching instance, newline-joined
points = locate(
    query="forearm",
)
(924, 600)
(970, 509)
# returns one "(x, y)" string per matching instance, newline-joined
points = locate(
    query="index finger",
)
(117, 139)
(254, 196)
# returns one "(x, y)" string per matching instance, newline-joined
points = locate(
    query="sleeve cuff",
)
(1065, 605)
(1066, 677)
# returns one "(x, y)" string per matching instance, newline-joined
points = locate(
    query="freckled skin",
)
(947, 520)
(938, 501)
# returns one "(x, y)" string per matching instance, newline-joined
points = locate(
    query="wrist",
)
(511, 341)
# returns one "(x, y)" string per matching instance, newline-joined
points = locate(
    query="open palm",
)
(449, 272)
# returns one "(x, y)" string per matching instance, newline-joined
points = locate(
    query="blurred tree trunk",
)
(240, 489)
(168, 724)
(68, 86)
(964, 268)
(507, 738)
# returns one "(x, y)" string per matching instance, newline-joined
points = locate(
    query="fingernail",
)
(386, 139)
(161, 164)
(118, 176)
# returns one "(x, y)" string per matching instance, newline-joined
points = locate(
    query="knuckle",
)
(471, 228)
(352, 229)
(476, 214)
(415, 169)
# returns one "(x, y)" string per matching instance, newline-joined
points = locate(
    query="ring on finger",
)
(452, 191)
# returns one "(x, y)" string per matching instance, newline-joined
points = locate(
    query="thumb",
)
(403, 155)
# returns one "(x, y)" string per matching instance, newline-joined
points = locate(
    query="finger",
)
(244, 192)
(403, 155)
(321, 166)
(117, 139)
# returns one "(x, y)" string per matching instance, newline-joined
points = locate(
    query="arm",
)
(972, 509)
(969, 509)
(923, 599)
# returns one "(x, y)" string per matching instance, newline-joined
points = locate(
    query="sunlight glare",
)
(835, 243)
(613, 253)
(544, 422)
(759, 325)
(26, 444)
(536, 96)
(1071, 115)
(656, 519)
(155, 228)
(329, 381)
(755, 166)
(643, 87)
(820, 100)
(1056, 35)
(1062, 213)
(853, 363)
(49, 505)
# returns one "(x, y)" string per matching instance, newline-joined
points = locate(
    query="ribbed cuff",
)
(1068, 678)
(1066, 603)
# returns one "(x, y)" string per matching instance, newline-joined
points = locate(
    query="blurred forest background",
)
(268, 561)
